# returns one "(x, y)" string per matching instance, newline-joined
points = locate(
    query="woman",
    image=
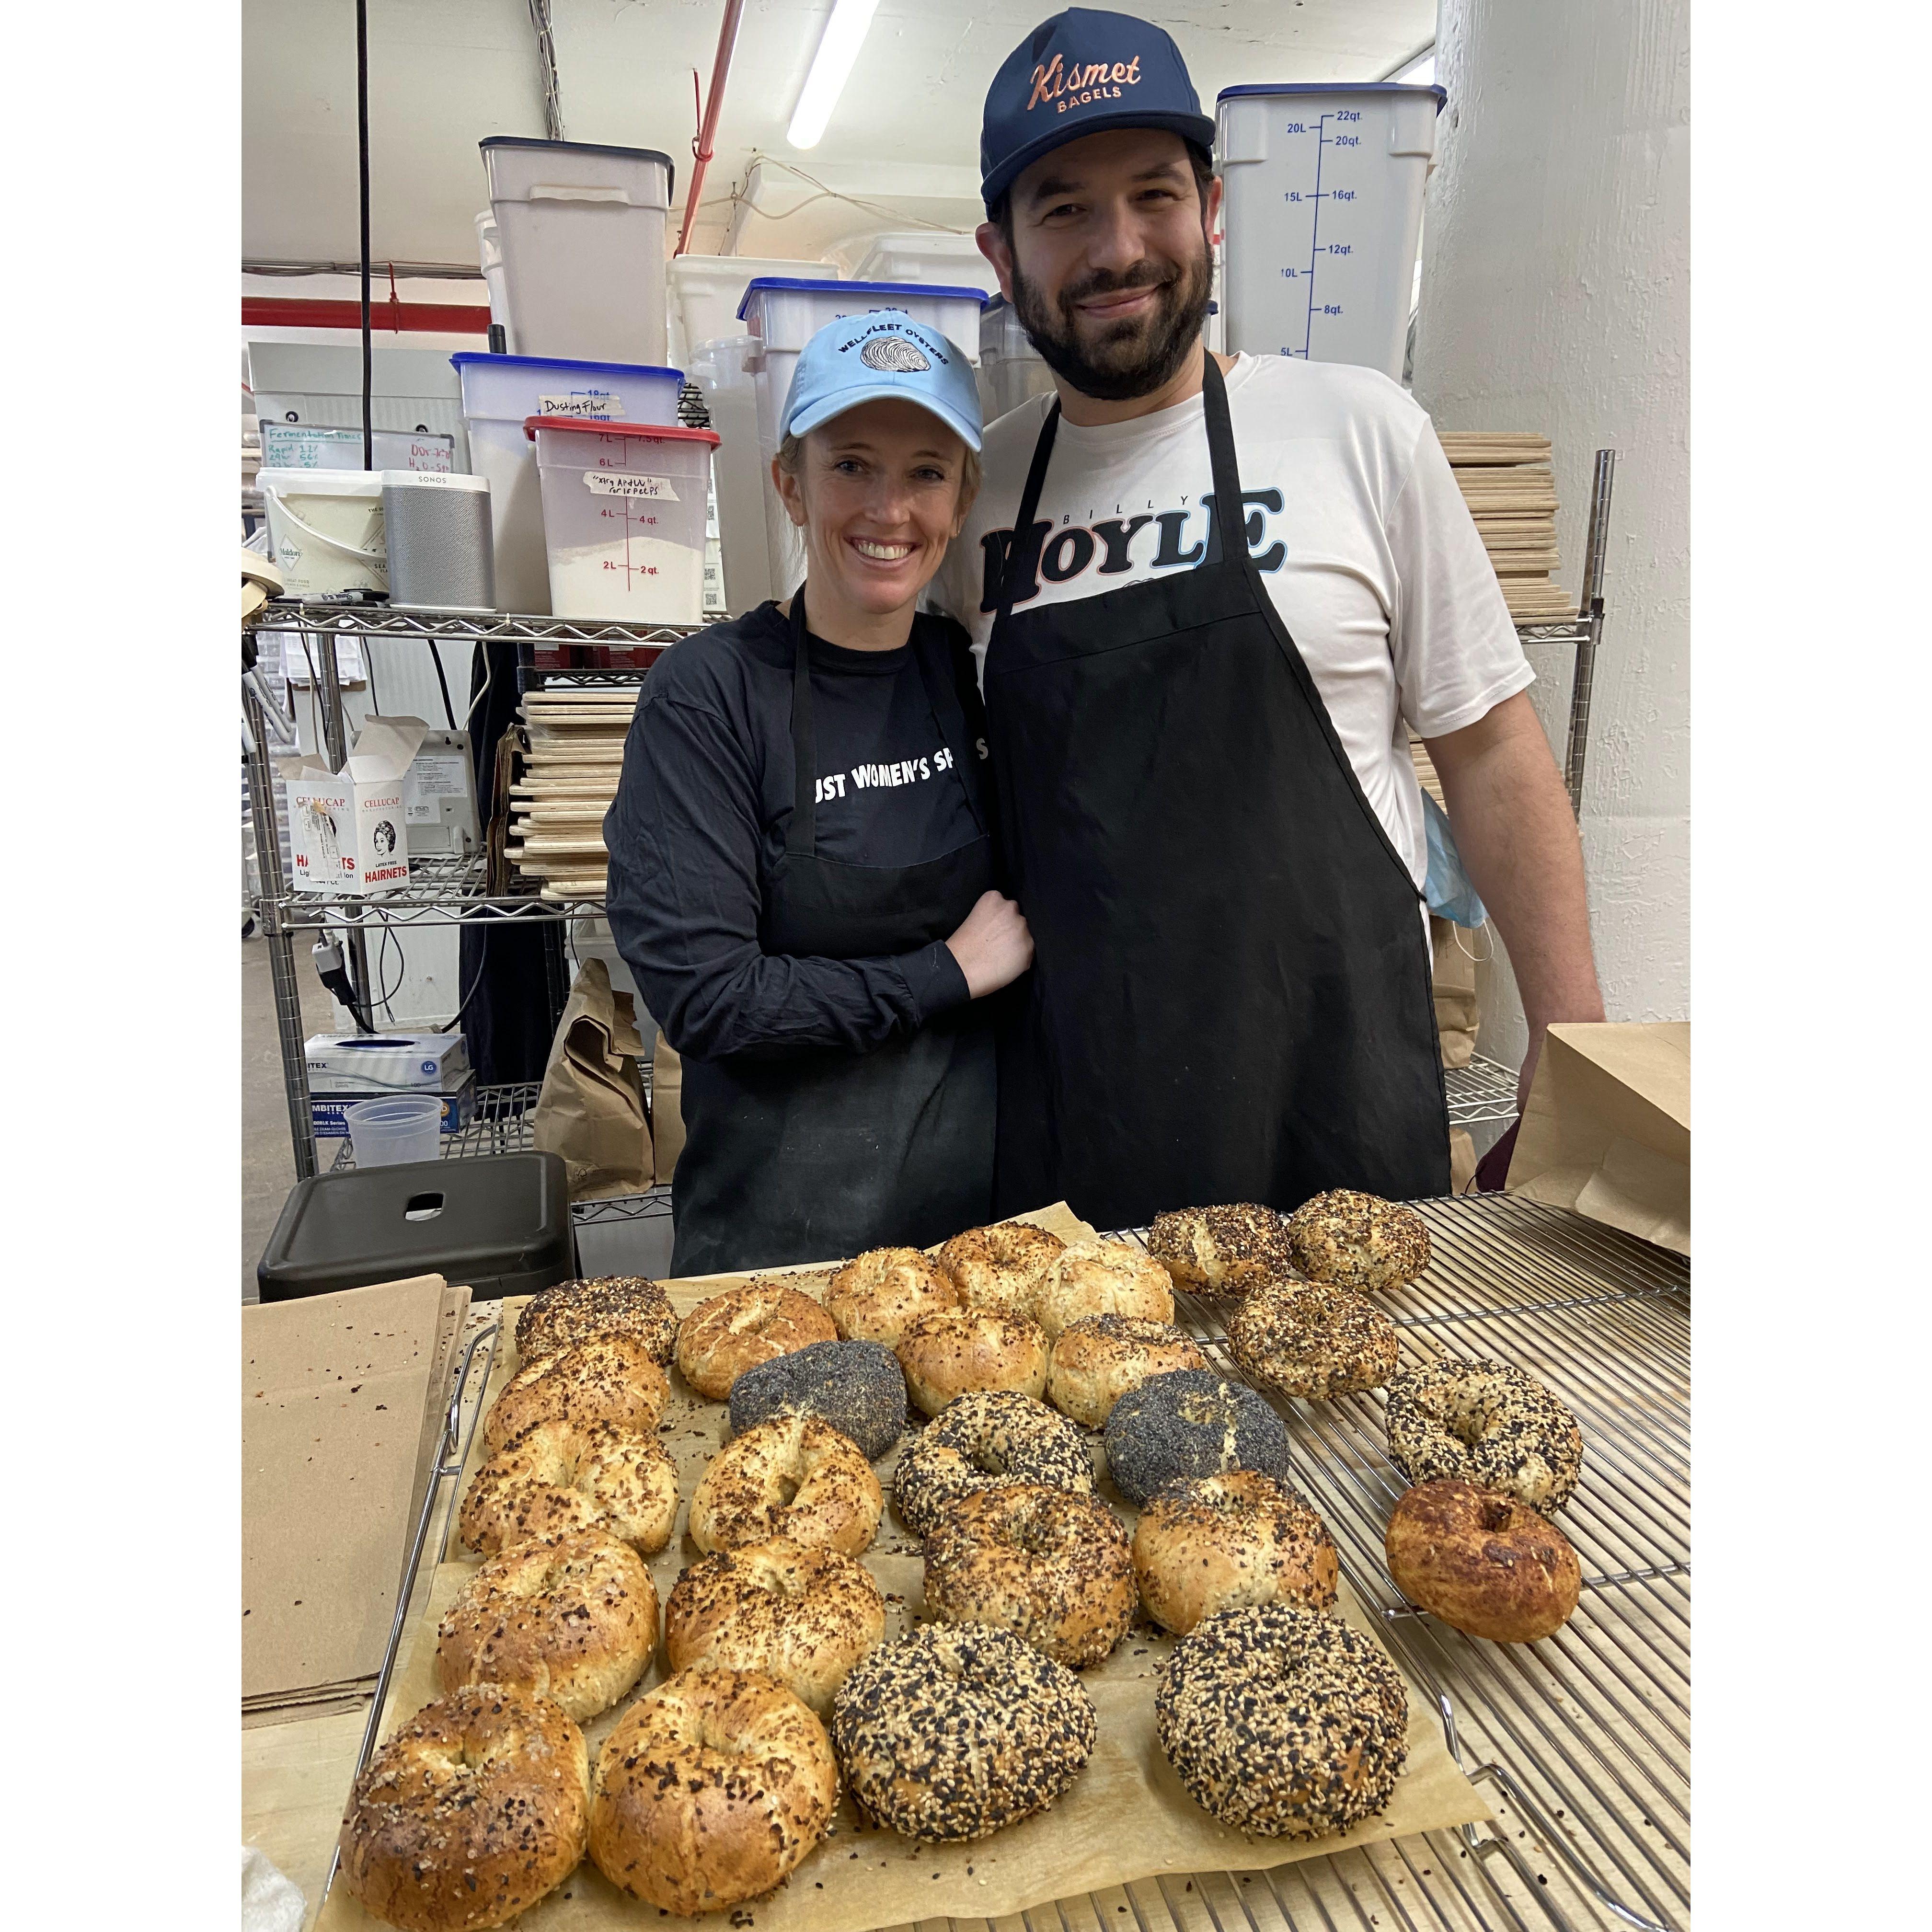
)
(801, 878)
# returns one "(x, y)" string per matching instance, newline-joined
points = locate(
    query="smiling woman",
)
(801, 876)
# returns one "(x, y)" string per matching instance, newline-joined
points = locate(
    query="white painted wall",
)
(1556, 297)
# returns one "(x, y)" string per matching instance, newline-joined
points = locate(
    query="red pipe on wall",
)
(727, 39)
(430, 318)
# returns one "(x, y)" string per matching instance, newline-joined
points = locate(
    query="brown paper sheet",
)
(1607, 1128)
(591, 1108)
(667, 1107)
(1126, 1817)
(1453, 951)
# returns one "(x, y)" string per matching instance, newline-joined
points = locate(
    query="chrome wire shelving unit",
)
(1484, 1091)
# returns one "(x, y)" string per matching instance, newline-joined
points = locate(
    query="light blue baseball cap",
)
(881, 352)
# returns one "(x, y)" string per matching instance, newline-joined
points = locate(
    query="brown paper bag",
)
(591, 1107)
(1454, 948)
(1607, 1129)
(1462, 1160)
(667, 1106)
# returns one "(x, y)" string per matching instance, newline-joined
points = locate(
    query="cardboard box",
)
(348, 829)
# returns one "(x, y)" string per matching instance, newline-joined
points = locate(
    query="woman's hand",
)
(994, 947)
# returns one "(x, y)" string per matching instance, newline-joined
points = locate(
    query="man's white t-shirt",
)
(1361, 535)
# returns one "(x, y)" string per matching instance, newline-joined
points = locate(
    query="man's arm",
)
(1517, 835)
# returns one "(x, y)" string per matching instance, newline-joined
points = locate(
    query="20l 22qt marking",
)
(1318, 249)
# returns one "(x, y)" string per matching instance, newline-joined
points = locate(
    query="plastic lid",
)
(433, 479)
(490, 141)
(595, 426)
(1441, 93)
(786, 282)
(323, 482)
(463, 357)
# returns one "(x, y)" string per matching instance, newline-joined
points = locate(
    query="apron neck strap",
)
(802, 837)
(1042, 454)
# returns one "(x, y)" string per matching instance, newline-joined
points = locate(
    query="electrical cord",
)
(436, 658)
(362, 186)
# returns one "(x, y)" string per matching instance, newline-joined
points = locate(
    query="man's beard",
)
(1130, 359)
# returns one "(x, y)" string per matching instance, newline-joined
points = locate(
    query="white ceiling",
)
(443, 73)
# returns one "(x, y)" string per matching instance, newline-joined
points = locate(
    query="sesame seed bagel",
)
(575, 1311)
(958, 1730)
(712, 1789)
(1051, 1567)
(984, 1440)
(803, 1616)
(1099, 1358)
(1358, 1240)
(794, 1476)
(1226, 1542)
(612, 1378)
(1189, 1422)
(720, 1339)
(1282, 1722)
(998, 1268)
(573, 1618)
(878, 1297)
(1102, 1278)
(958, 1350)
(1222, 1251)
(857, 1387)
(1488, 1424)
(1310, 1340)
(1491, 1567)
(556, 1477)
(469, 1814)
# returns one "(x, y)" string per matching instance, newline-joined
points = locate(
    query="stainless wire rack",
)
(1485, 1089)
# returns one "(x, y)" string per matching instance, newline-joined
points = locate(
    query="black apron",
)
(816, 1155)
(1230, 998)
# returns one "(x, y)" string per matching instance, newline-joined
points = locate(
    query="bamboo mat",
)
(1506, 479)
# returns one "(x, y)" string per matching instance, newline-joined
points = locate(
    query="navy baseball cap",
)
(1075, 74)
(878, 352)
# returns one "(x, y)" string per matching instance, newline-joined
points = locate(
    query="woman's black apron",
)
(1230, 998)
(814, 1155)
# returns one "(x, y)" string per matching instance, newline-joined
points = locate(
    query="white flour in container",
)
(635, 579)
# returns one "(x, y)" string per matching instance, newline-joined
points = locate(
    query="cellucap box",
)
(348, 830)
(328, 1113)
(385, 1063)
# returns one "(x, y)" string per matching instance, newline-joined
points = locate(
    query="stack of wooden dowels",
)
(576, 735)
(1506, 480)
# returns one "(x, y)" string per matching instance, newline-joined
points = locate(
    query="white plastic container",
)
(310, 383)
(1322, 215)
(785, 315)
(325, 529)
(582, 229)
(1010, 368)
(398, 1128)
(920, 255)
(500, 394)
(308, 446)
(624, 507)
(490, 257)
(741, 478)
(706, 291)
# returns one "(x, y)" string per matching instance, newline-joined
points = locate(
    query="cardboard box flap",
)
(384, 749)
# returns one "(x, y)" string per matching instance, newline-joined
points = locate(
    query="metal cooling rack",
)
(1483, 1090)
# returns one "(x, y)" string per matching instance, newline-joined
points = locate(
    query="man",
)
(1199, 719)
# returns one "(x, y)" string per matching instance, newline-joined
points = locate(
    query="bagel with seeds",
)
(611, 1378)
(956, 1352)
(1098, 1359)
(576, 1311)
(1358, 1240)
(721, 1338)
(1222, 1251)
(1227, 1543)
(876, 1297)
(1101, 1278)
(1310, 1340)
(794, 1476)
(555, 1478)
(1487, 1423)
(986, 1440)
(998, 1268)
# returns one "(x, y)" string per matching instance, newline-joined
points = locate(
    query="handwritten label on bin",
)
(622, 483)
(597, 405)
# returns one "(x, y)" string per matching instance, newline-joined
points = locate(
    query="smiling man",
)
(1199, 716)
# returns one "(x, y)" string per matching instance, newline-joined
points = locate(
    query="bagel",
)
(876, 1297)
(1052, 1567)
(1101, 1278)
(1226, 1542)
(1489, 1565)
(1285, 1722)
(1189, 1422)
(612, 1378)
(998, 1268)
(958, 1730)
(1222, 1251)
(959, 1350)
(606, 1304)
(573, 1618)
(1487, 1423)
(720, 1339)
(556, 1477)
(984, 1440)
(857, 1387)
(469, 1814)
(1097, 1359)
(1358, 1240)
(711, 1790)
(803, 1616)
(1309, 1340)
(794, 1476)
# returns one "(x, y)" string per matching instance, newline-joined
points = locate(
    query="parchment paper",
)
(1126, 1817)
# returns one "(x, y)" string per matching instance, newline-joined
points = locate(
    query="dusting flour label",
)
(595, 405)
(621, 483)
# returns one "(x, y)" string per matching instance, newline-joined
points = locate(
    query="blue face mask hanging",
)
(1447, 889)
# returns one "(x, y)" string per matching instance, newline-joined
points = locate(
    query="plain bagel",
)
(999, 1268)
(1098, 1359)
(876, 1297)
(957, 1350)
(556, 1477)
(1311, 1339)
(1222, 1251)
(612, 1378)
(1225, 1543)
(794, 1476)
(711, 1790)
(1101, 1278)
(721, 1338)
(469, 1814)
(1488, 1564)
(1358, 1240)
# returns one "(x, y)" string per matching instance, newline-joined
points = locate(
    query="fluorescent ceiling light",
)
(831, 66)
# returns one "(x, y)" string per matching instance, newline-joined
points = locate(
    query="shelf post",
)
(336, 737)
(1590, 626)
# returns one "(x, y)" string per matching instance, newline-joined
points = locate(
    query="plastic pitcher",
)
(326, 528)
(397, 1128)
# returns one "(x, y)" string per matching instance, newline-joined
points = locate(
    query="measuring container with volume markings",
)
(624, 511)
(1322, 213)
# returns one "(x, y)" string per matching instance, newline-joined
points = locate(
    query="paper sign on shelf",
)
(623, 483)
